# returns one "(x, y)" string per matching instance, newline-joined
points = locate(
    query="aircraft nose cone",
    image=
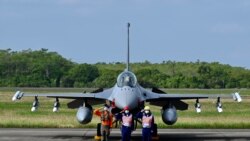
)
(126, 98)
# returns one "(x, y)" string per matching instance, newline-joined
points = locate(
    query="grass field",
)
(17, 114)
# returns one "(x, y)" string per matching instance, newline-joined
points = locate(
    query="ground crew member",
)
(127, 121)
(147, 119)
(106, 121)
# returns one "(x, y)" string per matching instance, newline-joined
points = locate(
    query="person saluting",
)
(127, 121)
(147, 119)
(106, 118)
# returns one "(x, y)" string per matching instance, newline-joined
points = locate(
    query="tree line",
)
(42, 68)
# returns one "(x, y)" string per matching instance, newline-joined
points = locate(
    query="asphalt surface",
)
(48, 134)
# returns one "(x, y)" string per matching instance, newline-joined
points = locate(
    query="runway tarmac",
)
(49, 134)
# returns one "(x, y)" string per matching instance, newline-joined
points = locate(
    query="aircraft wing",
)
(235, 96)
(100, 94)
(157, 96)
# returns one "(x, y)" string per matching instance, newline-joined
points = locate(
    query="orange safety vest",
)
(106, 117)
(147, 121)
(127, 120)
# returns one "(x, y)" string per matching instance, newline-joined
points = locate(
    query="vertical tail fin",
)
(128, 68)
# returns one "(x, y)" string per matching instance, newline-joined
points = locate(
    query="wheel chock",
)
(98, 137)
(155, 138)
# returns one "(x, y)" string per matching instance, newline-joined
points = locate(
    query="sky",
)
(91, 31)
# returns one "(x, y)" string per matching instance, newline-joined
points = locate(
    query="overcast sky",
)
(90, 31)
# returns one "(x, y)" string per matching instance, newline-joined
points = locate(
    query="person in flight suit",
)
(127, 121)
(106, 121)
(147, 119)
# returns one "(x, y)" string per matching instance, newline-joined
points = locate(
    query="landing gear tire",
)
(98, 132)
(155, 135)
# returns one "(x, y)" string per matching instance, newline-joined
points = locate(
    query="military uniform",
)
(106, 123)
(127, 125)
(147, 124)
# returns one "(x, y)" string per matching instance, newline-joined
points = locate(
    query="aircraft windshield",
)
(126, 79)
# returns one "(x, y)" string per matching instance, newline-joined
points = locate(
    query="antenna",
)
(128, 50)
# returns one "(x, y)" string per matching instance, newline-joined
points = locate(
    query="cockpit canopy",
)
(126, 79)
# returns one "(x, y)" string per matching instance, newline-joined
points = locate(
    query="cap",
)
(126, 108)
(146, 108)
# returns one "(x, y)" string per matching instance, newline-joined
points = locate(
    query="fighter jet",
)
(127, 92)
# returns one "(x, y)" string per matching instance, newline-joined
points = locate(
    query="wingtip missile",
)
(18, 95)
(237, 97)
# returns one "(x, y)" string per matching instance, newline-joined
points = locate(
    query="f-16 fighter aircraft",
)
(127, 93)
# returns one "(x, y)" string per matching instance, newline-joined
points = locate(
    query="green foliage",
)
(107, 78)
(42, 68)
(32, 68)
(148, 77)
(83, 74)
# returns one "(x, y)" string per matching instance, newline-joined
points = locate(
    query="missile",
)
(56, 105)
(35, 105)
(237, 97)
(219, 105)
(197, 106)
(18, 95)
